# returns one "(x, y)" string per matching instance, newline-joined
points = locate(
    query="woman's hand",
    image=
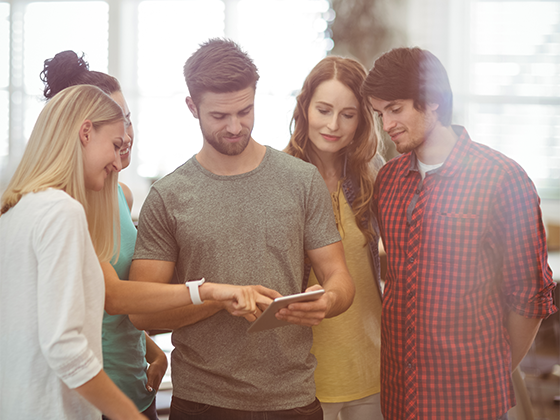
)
(158, 364)
(155, 374)
(246, 301)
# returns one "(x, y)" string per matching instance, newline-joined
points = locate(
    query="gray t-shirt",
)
(246, 229)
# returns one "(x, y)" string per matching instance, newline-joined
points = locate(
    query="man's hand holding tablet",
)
(287, 310)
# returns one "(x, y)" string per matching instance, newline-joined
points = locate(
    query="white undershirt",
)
(423, 168)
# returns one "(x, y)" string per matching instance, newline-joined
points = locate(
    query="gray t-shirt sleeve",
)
(156, 231)
(320, 225)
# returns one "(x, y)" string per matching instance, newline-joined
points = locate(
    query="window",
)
(144, 43)
(63, 30)
(4, 80)
(170, 31)
(26, 40)
(503, 61)
(514, 103)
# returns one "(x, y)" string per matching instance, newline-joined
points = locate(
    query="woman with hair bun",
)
(333, 128)
(67, 69)
(130, 357)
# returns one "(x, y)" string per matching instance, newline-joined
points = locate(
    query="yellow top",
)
(347, 347)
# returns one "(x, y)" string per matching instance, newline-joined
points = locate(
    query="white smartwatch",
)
(193, 286)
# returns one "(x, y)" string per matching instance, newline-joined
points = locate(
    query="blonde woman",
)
(57, 221)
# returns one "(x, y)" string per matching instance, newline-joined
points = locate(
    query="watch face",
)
(195, 282)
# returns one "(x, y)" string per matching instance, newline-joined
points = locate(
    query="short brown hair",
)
(411, 73)
(219, 66)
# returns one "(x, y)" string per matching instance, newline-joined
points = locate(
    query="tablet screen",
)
(268, 320)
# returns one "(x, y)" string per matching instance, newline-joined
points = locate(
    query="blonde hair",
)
(54, 158)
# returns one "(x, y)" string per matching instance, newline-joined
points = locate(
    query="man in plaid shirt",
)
(467, 279)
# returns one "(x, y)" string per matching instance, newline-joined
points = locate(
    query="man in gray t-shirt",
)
(245, 214)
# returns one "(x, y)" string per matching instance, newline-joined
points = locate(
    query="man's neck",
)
(437, 146)
(221, 164)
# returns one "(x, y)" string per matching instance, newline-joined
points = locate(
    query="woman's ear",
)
(85, 132)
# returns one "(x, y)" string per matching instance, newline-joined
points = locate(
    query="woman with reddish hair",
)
(333, 128)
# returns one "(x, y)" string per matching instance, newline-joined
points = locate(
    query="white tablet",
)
(268, 319)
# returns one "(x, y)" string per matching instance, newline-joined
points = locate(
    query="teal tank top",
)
(124, 347)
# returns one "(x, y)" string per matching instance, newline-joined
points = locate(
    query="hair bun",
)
(62, 71)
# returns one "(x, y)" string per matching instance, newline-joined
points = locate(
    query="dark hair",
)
(219, 66)
(363, 147)
(411, 73)
(66, 69)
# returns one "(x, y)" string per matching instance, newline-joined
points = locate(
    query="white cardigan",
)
(51, 307)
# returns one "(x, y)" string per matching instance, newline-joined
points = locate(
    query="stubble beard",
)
(407, 147)
(226, 148)
(416, 138)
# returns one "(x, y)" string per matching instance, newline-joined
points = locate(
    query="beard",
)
(408, 147)
(224, 147)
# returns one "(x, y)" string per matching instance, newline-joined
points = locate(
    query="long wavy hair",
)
(53, 158)
(361, 150)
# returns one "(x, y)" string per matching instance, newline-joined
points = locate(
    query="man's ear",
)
(433, 106)
(192, 106)
(85, 132)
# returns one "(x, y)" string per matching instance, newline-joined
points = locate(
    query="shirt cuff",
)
(539, 306)
(80, 370)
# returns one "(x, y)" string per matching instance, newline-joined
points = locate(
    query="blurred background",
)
(502, 56)
(503, 60)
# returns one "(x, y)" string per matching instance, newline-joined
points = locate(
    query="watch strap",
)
(193, 286)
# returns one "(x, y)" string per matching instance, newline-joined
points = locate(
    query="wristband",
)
(193, 286)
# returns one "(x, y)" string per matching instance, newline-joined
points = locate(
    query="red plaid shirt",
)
(464, 246)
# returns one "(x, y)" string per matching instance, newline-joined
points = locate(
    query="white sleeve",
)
(61, 246)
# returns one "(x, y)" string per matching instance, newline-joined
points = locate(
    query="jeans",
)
(186, 410)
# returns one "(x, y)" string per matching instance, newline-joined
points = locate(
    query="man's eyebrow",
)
(389, 105)
(247, 108)
(221, 114)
